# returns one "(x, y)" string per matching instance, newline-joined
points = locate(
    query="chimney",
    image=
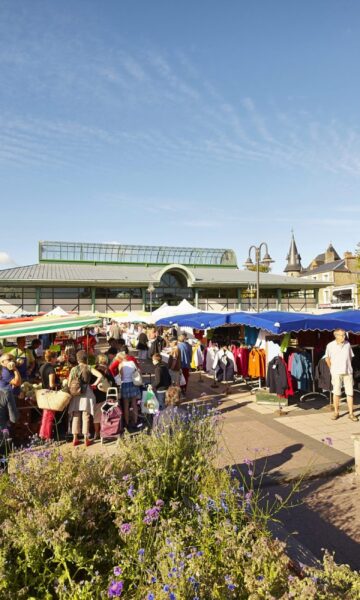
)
(351, 261)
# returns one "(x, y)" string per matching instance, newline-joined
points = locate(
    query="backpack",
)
(76, 384)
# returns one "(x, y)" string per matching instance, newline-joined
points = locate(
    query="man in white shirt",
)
(338, 358)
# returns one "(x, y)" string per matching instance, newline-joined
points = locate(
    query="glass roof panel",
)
(123, 254)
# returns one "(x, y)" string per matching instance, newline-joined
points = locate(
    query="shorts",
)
(338, 381)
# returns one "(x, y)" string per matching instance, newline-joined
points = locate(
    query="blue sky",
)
(200, 123)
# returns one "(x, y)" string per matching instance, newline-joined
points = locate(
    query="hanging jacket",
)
(257, 360)
(301, 370)
(224, 364)
(322, 375)
(277, 379)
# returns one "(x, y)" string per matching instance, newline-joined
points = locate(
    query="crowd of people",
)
(92, 369)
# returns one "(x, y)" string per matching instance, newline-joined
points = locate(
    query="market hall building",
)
(85, 277)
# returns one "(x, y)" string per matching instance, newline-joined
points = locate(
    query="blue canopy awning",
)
(275, 322)
(201, 320)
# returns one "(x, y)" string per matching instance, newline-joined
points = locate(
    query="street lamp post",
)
(151, 290)
(266, 261)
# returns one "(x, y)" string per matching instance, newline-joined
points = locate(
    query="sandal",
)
(335, 416)
(353, 418)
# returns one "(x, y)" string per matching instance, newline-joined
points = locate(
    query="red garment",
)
(290, 389)
(47, 422)
(114, 367)
(243, 361)
(88, 342)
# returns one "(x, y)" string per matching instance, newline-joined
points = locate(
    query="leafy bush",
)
(154, 521)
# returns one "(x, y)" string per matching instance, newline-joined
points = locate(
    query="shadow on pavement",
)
(325, 517)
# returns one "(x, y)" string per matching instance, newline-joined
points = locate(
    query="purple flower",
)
(152, 514)
(199, 553)
(172, 596)
(125, 528)
(159, 503)
(117, 571)
(60, 458)
(141, 552)
(248, 462)
(248, 497)
(251, 472)
(130, 492)
(153, 579)
(231, 587)
(115, 589)
(150, 596)
(171, 554)
(166, 588)
(260, 577)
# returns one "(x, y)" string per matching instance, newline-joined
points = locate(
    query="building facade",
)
(340, 276)
(86, 278)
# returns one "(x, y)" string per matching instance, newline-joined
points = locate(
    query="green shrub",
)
(154, 521)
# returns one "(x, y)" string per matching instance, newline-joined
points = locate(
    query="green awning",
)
(47, 325)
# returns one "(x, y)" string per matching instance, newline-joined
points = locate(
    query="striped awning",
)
(47, 325)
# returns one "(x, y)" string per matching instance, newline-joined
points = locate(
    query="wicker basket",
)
(52, 400)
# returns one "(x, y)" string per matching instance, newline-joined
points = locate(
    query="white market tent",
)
(165, 311)
(57, 312)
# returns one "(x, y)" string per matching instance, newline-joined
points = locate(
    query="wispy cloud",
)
(6, 259)
(152, 105)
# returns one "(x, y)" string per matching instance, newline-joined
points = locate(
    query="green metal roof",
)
(145, 255)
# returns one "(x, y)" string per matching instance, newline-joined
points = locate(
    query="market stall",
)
(276, 333)
(28, 422)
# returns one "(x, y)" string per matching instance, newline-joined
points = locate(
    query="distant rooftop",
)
(141, 255)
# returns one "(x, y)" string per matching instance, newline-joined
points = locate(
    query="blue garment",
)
(185, 354)
(251, 335)
(301, 370)
(5, 378)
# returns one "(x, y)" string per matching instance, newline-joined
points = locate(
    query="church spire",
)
(293, 267)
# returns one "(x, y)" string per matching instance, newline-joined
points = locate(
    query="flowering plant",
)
(156, 520)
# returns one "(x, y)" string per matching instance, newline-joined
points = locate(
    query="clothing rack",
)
(313, 392)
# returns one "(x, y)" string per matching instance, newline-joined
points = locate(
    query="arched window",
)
(173, 280)
(172, 288)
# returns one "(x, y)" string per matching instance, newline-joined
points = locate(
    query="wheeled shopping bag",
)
(111, 416)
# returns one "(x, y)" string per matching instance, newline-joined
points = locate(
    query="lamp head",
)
(249, 263)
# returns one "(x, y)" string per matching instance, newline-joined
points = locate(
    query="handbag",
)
(52, 399)
(137, 378)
